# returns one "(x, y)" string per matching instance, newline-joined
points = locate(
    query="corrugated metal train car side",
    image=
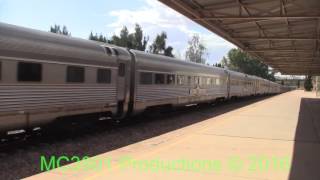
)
(34, 86)
(162, 80)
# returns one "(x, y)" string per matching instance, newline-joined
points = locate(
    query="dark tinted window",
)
(75, 74)
(108, 51)
(104, 76)
(159, 78)
(0, 69)
(170, 79)
(116, 52)
(212, 81)
(122, 69)
(29, 71)
(145, 78)
(189, 80)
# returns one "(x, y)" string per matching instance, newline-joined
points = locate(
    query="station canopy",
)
(282, 33)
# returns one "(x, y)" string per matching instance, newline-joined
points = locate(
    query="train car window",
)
(122, 69)
(75, 74)
(29, 72)
(180, 80)
(145, 78)
(212, 81)
(196, 80)
(222, 81)
(170, 79)
(208, 81)
(108, 51)
(104, 76)
(202, 81)
(159, 79)
(0, 69)
(116, 52)
(218, 82)
(189, 80)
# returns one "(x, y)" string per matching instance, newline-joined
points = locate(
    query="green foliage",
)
(57, 29)
(308, 83)
(168, 51)
(218, 65)
(196, 50)
(134, 40)
(96, 37)
(159, 45)
(240, 61)
(139, 40)
(124, 40)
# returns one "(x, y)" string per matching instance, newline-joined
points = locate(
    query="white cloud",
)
(153, 14)
(155, 17)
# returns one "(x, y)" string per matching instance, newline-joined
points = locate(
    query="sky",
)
(109, 16)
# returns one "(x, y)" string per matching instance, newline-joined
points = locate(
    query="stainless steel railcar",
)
(162, 80)
(45, 76)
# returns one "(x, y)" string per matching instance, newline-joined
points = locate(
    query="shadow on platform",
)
(306, 155)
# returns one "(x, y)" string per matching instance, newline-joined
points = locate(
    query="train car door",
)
(123, 85)
(228, 84)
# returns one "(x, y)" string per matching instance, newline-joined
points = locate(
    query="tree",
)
(218, 65)
(125, 39)
(139, 40)
(134, 40)
(240, 61)
(308, 83)
(96, 37)
(168, 51)
(159, 46)
(196, 50)
(57, 29)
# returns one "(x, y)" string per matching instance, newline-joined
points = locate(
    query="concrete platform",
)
(277, 138)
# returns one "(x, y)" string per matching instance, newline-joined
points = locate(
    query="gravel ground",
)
(21, 158)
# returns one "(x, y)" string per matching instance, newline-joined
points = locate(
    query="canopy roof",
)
(282, 33)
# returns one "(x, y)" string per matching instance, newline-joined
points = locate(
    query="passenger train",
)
(46, 76)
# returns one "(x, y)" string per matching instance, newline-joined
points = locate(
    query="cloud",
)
(155, 17)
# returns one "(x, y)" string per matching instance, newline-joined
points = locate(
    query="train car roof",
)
(160, 63)
(34, 44)
(237, 74)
